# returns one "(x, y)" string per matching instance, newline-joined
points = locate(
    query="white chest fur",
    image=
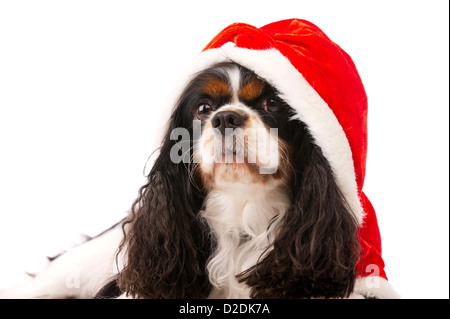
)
(239, 216)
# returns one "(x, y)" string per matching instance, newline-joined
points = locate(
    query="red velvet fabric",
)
(332, 73)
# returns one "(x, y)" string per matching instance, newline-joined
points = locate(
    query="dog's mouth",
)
(238, 153)
(231, 156)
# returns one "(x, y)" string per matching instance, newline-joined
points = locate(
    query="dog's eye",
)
(203, 111)
(271, 105)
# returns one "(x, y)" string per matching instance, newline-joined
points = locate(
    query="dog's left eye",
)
(271, 105)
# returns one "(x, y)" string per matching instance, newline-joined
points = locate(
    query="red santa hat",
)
(320, 82)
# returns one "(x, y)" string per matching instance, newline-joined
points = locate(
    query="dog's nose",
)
(227, 119)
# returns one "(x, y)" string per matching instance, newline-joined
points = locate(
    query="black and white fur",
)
(273, 227)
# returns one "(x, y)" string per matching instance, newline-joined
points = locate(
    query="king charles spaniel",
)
(239, 203)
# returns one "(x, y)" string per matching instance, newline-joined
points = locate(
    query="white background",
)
(84, 83)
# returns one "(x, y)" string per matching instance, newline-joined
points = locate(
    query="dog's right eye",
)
(202, 111)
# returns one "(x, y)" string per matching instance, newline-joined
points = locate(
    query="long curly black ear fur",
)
(316, 248)
(166, 242)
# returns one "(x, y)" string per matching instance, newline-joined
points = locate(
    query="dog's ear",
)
(166, 242)
(316, 247)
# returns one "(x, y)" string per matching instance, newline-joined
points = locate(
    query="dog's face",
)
(244, 125)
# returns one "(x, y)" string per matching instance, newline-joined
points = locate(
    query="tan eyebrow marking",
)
(252, 90)
(216, 88)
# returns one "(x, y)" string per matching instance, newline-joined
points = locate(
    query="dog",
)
(255, 192)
